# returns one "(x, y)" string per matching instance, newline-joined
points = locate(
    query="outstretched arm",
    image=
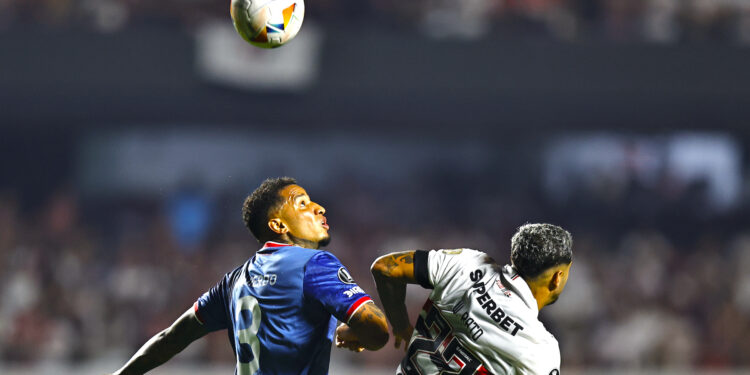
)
(164, 345)
(391, 273)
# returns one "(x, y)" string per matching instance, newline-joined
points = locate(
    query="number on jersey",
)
(436, 351)
(247, 314)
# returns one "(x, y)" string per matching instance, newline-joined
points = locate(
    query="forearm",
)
(393, 295)
(155, 352)
(391, 273)
(370, 327)
(164, 345)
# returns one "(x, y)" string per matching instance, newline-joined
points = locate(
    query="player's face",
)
(302, 217)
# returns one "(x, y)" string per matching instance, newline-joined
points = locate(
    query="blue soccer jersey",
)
(280, 309)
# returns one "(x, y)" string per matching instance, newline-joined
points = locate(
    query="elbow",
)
(372, 331)
(378, 339)
(164, 333)
(378, 267)
(379, 332)
(381, 339)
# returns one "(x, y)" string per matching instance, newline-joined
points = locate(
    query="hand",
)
(345, 338)
(404, 334)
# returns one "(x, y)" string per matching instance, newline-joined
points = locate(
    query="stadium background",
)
(131, 130)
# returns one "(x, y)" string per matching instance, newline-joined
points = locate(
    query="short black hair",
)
(257, 205)
(538, 247)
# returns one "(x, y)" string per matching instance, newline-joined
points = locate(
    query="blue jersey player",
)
(281, 307)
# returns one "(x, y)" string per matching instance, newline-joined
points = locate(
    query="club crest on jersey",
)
(503, 288)
(345, 277)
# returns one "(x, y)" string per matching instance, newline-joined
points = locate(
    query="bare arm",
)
(392, 272)
(367, 329)
(164, 345)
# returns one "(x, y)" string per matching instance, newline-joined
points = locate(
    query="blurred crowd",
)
(664, 21)
(81, 279)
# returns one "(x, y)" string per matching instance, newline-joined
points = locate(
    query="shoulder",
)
(548, 357)
(545, 338)
(446, 268)
(323, 254)
(322, 261)
(462, 256)
(321, 257)
(546, 343)
(540, 353)
(231, 276)
(461, 252)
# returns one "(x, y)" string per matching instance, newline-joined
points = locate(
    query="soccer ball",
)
(267, 23)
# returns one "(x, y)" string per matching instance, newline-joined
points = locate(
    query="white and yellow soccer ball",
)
(268, 23)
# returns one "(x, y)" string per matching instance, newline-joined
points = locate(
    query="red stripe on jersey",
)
(275, 244)
(460, 364)
(197, 313)
(482, 371)
(356, 305)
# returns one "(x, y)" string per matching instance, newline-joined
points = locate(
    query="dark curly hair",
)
(258, 204)
(537, 247)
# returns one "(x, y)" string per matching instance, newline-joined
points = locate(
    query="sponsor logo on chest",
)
(491, 307)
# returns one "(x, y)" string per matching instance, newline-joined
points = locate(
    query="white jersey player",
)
(481, 318)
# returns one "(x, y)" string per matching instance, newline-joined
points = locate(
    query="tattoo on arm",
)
(406, 258)
(390, 263)
(370, 326)
(369, 312)
(397, 259)
(378, 313)
(391, 273)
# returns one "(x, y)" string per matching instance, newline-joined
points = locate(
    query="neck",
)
(286, 238)
(540, 294)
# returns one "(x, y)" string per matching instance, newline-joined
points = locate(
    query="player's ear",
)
(277, 226)
(556, 280)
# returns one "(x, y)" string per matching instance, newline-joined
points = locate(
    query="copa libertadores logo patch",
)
(345, 277)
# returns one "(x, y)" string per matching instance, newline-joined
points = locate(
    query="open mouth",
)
(324, 223)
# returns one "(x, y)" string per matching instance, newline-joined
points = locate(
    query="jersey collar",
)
(272, 245)
(513, 279)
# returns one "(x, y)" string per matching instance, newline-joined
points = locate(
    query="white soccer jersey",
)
(480, 318)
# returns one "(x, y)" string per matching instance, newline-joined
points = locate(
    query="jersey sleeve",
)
(329, 282)
(444, 265)
(211, 307)
(421, 269)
